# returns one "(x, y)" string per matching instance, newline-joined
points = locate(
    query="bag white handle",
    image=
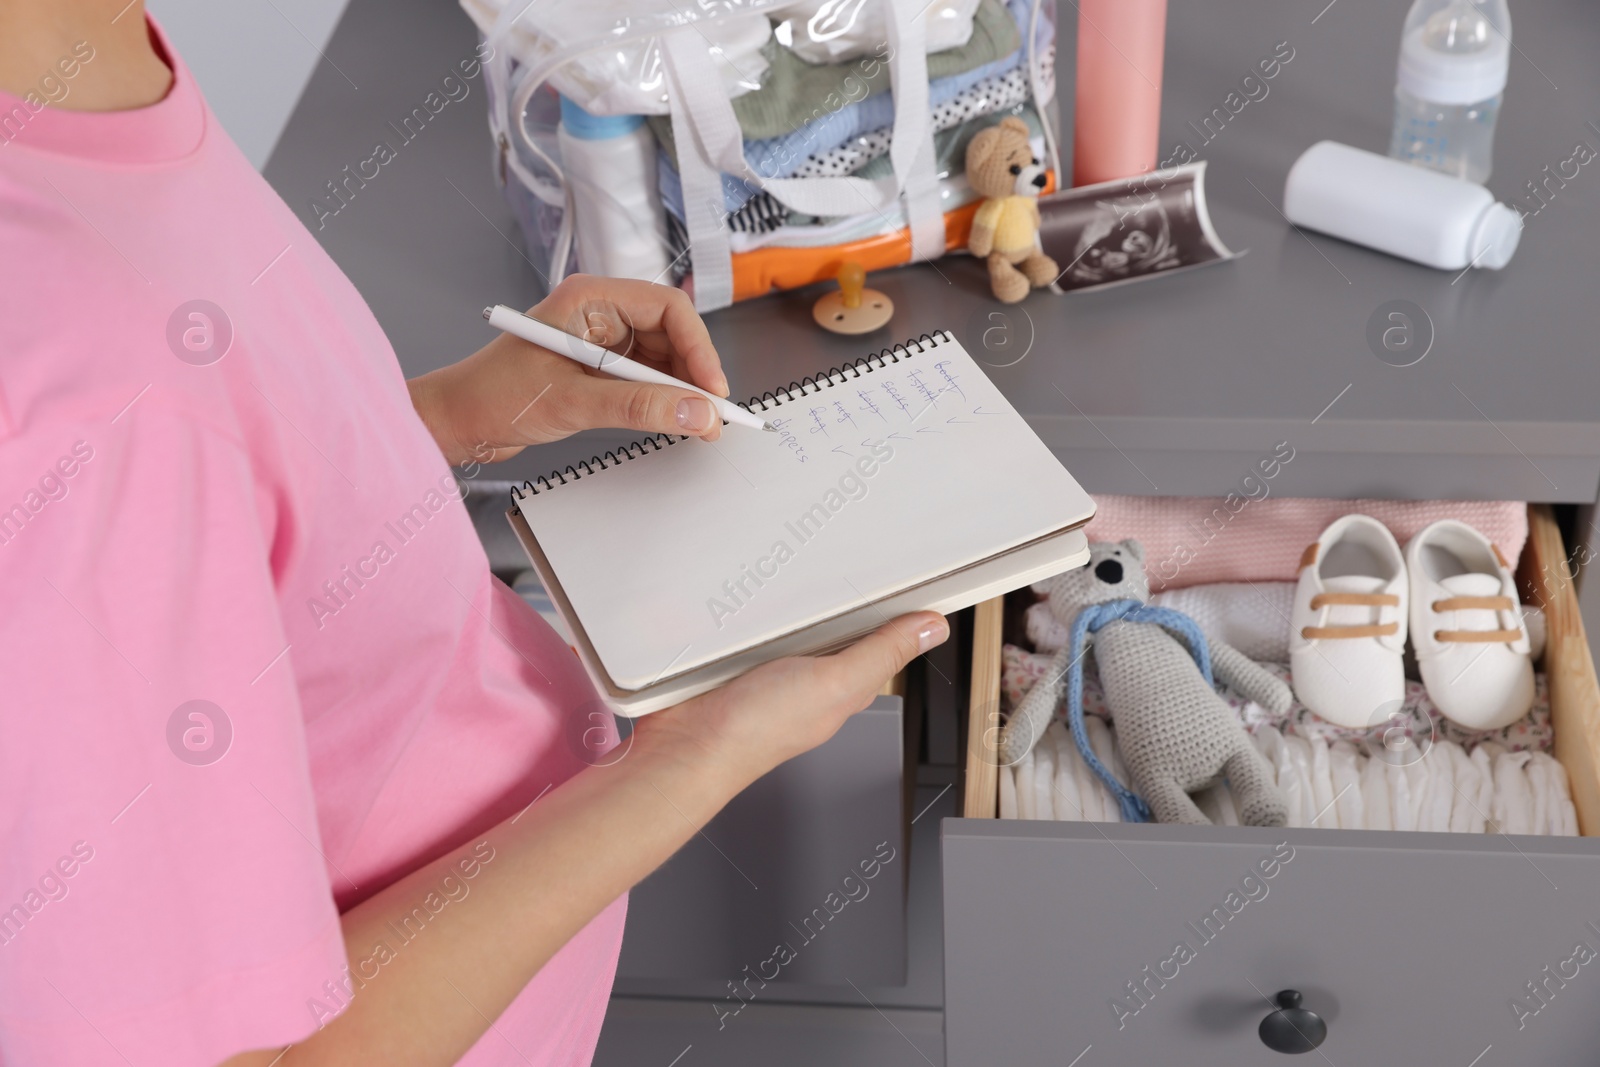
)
(709, 133)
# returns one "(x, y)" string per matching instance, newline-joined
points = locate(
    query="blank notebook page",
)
(887, 473)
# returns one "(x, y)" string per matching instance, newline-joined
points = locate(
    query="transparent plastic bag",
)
(610, 56)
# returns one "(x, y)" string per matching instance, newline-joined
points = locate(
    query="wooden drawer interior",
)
(1545, 579)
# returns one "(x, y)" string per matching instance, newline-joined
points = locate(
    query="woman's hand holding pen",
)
(511, 394)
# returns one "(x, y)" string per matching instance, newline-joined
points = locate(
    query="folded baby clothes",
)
(836, 31)
(952, 101)
(1045, 632)
(806, 231)
(780, 157)
(760, 214)
(794, 92)
(1198, 540)
(1251, 616)
(765, 222)
(955, 122)
(1418, 720)
(1020, 669)
(1001, 94)
(954, 192)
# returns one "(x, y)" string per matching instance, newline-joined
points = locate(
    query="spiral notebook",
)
(901, 481)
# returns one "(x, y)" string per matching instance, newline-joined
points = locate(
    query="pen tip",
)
(767, 426)
(487, 312)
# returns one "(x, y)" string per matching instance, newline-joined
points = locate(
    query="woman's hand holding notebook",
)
(900, 482)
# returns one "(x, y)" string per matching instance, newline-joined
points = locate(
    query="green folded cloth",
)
(794, 92)
(950, 146)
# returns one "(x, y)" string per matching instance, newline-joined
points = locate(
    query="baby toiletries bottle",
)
(610, 164)
(1453, 60)
(1405, 211)
(1118, 104)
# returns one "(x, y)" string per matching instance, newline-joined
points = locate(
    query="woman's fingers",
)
(626, 314)
(689, 342)
(596, 400)
(856, 673)
(792, 705)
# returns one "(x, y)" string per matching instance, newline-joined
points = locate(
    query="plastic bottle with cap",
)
(1454, 55)
(1406, 211)
(1117, 122)
(610, 165)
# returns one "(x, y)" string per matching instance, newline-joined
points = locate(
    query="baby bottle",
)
(610, 163)
(1453, 60)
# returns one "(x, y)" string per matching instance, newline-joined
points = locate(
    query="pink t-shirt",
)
(255, 666)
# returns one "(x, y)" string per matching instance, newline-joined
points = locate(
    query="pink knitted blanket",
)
(1194, 540)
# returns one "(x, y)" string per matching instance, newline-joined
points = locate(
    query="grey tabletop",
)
(1178, 385)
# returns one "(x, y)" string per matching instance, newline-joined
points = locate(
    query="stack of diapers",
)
(1441, 787)
(1417, 771)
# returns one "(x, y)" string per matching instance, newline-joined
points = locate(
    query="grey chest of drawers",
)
(1150, 944)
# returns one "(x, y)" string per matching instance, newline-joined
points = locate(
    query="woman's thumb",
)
(867, 664)
(653, 408)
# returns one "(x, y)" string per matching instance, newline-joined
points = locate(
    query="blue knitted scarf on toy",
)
(1090, 620)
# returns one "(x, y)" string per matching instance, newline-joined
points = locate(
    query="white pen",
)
(509, 320)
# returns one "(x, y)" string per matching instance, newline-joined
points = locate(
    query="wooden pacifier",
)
(854, 308)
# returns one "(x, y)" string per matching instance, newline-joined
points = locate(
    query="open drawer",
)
(1108, 943)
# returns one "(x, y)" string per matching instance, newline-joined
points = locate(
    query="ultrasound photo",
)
(1133, 228)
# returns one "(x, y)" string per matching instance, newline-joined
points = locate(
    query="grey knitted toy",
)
(1175, 733)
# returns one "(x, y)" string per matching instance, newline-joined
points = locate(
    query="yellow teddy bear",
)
(1001, 167)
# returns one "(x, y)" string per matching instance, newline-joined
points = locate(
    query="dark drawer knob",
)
(1292, 1029)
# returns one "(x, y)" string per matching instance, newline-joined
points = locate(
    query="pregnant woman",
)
(286, 776)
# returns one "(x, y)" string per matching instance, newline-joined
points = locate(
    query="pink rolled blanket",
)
(1196, 540)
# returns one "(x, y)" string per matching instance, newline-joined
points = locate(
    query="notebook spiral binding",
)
(807, 386)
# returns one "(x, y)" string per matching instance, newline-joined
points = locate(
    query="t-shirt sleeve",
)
(164, 897)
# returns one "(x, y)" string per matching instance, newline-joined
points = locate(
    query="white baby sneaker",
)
(1467, 628)
(1348, 625)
